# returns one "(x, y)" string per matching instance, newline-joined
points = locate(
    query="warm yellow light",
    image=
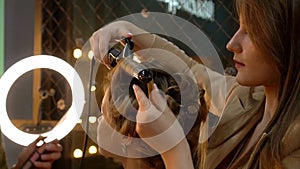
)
(91, 54)
(93, 150)
(93, 88)
(92, 119)
(77, 153)
(77, 53)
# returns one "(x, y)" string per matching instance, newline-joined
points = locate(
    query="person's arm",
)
(178, 157)
(149, 45)
(216, 86)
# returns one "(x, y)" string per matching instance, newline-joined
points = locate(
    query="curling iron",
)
(125, 59)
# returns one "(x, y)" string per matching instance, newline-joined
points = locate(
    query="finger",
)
(128, 35)
(157, 99)
(147, 112)
(143, 101)
(94, 46)
(53, 146)
(55, 141)
(100, 44)
(42, 165)
(51, 156)
(104, 40)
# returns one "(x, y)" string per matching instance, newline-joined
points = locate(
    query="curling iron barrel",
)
(137, 70)
(125, 59)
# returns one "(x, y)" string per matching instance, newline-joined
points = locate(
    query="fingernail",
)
(134, 87)
(155, 86)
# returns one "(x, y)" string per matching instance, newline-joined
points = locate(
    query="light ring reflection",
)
(66, 123)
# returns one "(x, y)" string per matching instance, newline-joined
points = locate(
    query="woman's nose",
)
(234, 44)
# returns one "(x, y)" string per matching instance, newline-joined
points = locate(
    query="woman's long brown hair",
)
(274, 27)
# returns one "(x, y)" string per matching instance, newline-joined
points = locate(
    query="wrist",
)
(168, 139)
(178, 157)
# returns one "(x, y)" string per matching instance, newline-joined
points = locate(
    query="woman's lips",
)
(239, 64)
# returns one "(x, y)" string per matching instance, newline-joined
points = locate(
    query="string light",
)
(92, 119)
(90, 54)
(93, 88)
(77, 53)
(77, 153)
(93, 149)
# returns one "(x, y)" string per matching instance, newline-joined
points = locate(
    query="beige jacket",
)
(239, 108)
(242, 112)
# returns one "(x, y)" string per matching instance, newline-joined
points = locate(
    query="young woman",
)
(259, 123)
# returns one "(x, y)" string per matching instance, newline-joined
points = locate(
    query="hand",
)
(111, 33)
(159, 128)
(49, 153)
(52, 153)
(156, 123)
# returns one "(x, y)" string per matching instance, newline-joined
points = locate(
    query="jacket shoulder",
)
(291, 145)
(241, 113)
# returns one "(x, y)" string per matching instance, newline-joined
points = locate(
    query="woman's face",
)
(254, 67)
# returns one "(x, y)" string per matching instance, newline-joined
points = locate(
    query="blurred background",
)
(61, 28)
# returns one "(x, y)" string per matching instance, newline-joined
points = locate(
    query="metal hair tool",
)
(125, 58)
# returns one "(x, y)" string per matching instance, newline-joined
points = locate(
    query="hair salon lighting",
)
(93, 88)
(93, 149)
(77, 153)
(92, 119)
(91, 54)
(77, 53)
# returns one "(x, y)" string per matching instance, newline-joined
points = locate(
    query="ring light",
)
(66, 123)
